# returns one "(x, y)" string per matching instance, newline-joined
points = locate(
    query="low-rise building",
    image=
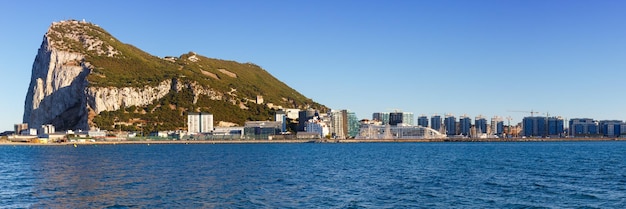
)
(292, 113)
(159, 134)
(19, 128)
(29, 132)
(307, 135)
(318, 126)
(377, 131)
(46, 129)
(237, 130)
(261, 129)
(96, 133)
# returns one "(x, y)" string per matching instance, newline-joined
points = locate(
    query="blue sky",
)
(564, 58)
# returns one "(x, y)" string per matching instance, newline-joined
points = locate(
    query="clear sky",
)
(564, 58)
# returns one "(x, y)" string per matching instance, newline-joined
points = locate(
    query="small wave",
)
(116, 206)
(495, 184)
(584, 196)
(247, 182)
(519, 206)
(539, 186)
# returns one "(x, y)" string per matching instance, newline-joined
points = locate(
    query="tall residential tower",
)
(199, 122)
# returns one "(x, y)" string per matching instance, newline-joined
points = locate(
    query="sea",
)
(316, 175)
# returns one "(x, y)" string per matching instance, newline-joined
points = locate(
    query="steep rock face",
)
(56, 90)
(59, 92)
(112, 98)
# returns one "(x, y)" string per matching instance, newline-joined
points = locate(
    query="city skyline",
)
(343, 124)
(531, 126)
(563, 58)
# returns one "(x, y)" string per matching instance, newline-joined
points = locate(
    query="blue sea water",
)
(365, 175)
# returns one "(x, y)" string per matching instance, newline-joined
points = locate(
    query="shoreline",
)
(148, 142)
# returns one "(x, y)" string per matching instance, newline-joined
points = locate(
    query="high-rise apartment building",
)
(435, 122)
(450, 125)
(534, 126)
(555, 127)
(383, 117)
(339, 124)
(395, 118)
(199, 122)
(353, 124)
(497, 126)
(422, 121)
(465, 125)
(537, 126)
(579, 127)
(611, 128)
(481, 125)
(408, 118)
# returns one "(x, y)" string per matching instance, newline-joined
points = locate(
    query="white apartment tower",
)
(339, 124)
(408, 118)
(199, 122)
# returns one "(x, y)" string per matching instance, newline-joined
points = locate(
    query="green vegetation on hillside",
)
(136, 69)
(250, 81)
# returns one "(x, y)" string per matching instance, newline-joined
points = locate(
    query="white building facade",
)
(199, 122)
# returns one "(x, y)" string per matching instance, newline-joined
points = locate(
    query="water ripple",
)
(386, 175)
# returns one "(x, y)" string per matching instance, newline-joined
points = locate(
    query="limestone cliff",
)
(56, 94)
(113, 98)
(81, 71)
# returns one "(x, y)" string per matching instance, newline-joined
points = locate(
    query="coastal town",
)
(98, 95)
(295, 125)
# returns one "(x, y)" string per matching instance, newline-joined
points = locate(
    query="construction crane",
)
(532, 113)
(395, 109)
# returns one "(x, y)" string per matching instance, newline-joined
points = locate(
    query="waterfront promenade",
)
(148, 142)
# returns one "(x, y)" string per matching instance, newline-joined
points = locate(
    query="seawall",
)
(121, 142)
